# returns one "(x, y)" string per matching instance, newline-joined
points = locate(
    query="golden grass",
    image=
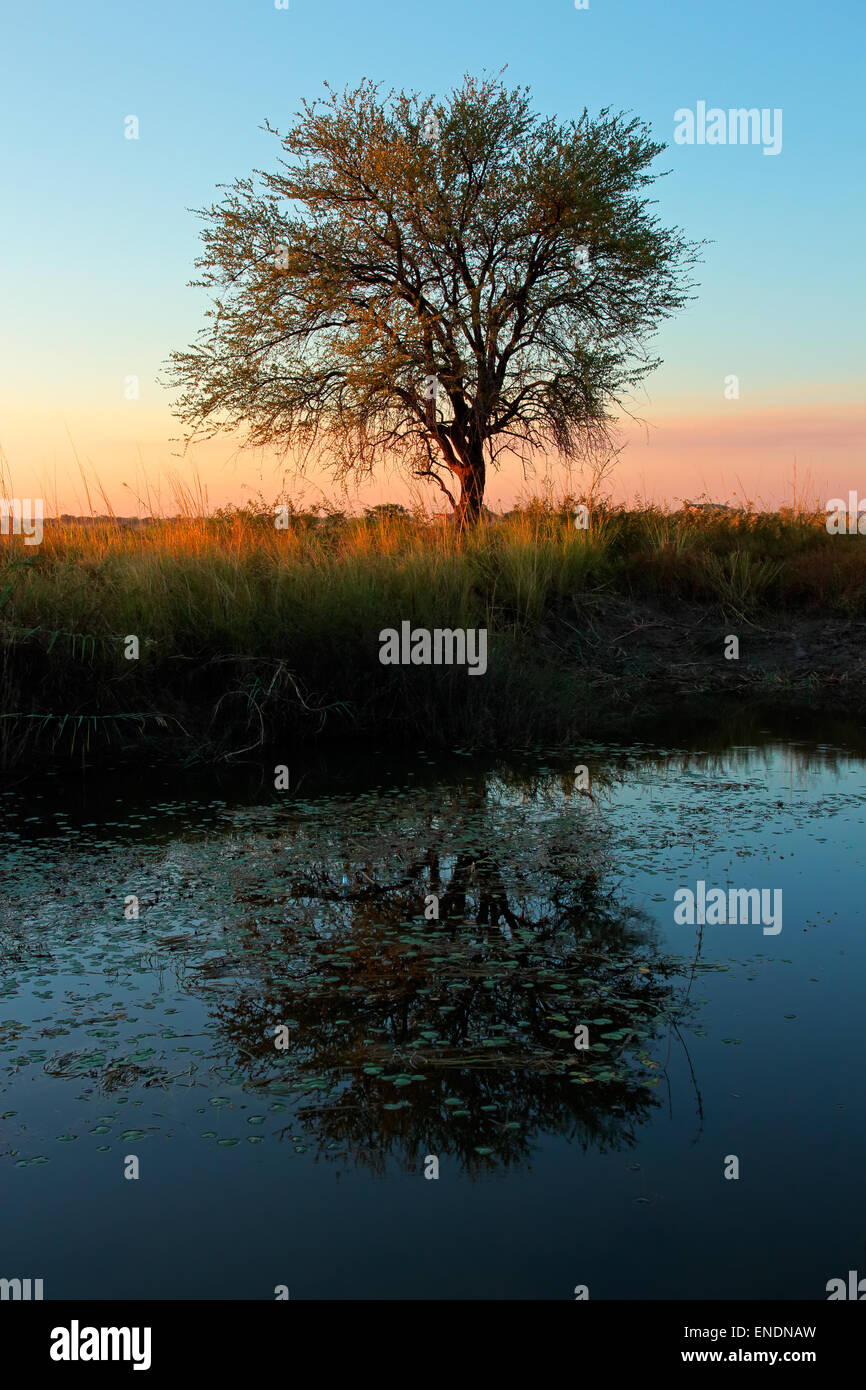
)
(269, 626)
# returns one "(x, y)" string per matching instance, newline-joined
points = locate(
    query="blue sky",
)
(98, 242)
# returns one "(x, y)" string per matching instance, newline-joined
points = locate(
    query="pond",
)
(430, 1027)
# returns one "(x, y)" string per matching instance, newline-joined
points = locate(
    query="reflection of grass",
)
(246, 631)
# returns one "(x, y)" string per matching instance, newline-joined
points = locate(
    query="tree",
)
(433, 284)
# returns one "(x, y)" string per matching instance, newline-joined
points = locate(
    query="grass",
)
(252, 637)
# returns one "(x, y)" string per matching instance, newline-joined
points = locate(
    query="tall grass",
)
(251, 636)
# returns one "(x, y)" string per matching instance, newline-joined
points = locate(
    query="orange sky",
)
(727, 454)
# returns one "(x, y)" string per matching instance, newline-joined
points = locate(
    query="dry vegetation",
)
(251, 637)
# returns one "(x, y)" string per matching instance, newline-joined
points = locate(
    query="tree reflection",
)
(454, 1035)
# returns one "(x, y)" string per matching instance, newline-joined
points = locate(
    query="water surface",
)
(411, 1037)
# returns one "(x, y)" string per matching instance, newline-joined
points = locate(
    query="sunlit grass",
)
(261, 625)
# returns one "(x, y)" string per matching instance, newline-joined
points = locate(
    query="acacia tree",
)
(436, 284)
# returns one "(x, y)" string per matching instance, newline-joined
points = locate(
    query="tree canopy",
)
(435, 284)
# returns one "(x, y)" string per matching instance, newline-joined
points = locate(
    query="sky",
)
(99, 241)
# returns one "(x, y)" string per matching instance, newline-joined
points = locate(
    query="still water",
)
(297, 1157)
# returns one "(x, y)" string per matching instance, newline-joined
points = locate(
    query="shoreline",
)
(625, 669)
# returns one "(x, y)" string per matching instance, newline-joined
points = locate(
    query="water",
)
(410, 1038)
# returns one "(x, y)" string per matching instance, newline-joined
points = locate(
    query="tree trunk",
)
(472, 480)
